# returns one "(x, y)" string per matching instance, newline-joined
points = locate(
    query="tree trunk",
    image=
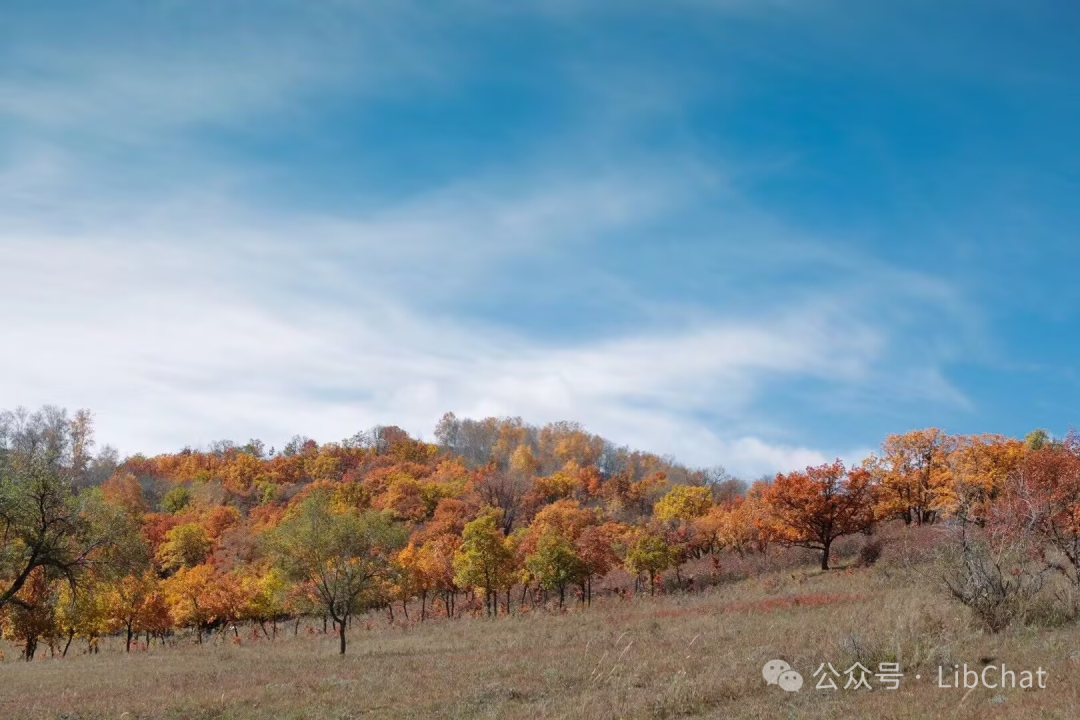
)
(127, 646)
(825, 555)
(341, 636)
(71, 636)
(423, 605)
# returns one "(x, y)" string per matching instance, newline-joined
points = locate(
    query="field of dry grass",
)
(697, 654)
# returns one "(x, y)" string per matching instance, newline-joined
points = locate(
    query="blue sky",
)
(761, 233)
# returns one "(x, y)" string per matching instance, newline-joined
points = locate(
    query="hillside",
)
(697, 654)
(508, 570)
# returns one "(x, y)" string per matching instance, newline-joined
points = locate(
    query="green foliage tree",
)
(43, 524)
(555, 563)
(185, 546)
(345, 555)
(649, 555)
(484, 561)
(1037, 439)
(176, 499)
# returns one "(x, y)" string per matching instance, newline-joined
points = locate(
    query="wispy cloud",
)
(245, 331)
(160, 291)
(149, 67)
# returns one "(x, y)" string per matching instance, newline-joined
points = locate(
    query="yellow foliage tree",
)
(186, 593)
(683, 503)
(914, 475)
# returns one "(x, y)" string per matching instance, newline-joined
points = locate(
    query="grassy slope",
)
(697, 654)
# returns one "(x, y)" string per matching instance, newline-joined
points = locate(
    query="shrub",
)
(870, 553)
(997, 584)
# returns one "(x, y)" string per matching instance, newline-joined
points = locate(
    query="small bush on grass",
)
(998, 584)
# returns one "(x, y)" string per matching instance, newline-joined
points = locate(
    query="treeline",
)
(494, 514)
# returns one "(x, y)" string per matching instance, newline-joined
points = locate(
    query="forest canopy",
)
(200, 540)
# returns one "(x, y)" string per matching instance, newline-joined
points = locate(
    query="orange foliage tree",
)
(1043, 497)
(914, 475)
(979, 466)
(813, 508)
(187, 594)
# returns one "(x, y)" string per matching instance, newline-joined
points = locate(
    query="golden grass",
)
(681, 655)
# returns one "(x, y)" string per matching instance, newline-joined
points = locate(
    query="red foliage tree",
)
(813, 508)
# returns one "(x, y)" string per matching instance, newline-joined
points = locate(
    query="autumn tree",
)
(565, 516)
(412, 578)
(813, 508)
(644, 493)
(738, 525)
(484, 560)
(978, 468)
(677, 511)
(187, 593)
(32, 616)
(649, 555)
(745, 528)
(185, 546)
(1043, 498)
(683, 503)
(914, 475)
(43, 524)
(437, 563)
(220, 519)
(596, 548)
(228, 600)
(83, 611)
(563, 483)
(129, 604)
(344, 555)
(265, 595)
(505, 488)
(564, 546)
(125, 491)
(176, 499)
(555, 563)
(1037, 439)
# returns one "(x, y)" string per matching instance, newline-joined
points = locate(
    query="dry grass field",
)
(696, 654)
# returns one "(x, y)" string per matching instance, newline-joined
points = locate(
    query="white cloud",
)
(155, 69)
(174, 342)
(181, 315)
